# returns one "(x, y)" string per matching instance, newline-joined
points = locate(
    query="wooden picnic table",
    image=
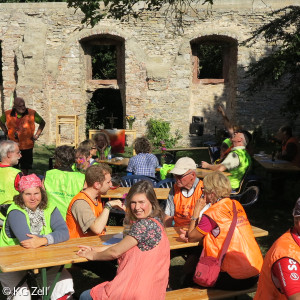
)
(17, 258)
(161, 193)
(277, 165)
(116, 162)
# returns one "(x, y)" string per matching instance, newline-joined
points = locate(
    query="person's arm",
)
(110, 253)
(219, 167)
(99, 223)
(39, 120)
(3, 127)
(60, 232)
(285, 270)
(226, 121)
(18, 225)
(290, 152)
(169, 209)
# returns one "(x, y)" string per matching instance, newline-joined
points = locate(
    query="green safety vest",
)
(107, 150)
(7, 185)
(62, 187)
(7, 241)
(238, 173)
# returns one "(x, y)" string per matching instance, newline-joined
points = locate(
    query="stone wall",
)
(43, 61)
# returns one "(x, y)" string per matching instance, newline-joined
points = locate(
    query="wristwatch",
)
(108, 206)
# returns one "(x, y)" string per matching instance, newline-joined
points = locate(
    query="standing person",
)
(143, 254)
(18, 124)
(243, 261)
(184, 194)
(290, 148)
(103, 145)
(280, 274)
(32, 222)
(9, 176)
(144, 163)
(62, 183)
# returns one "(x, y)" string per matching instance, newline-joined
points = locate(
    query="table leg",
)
(47, 293)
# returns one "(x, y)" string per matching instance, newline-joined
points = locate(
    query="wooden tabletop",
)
(275, 166)
(161, 193)
(114, 161)
(17, 258)
(201, 173)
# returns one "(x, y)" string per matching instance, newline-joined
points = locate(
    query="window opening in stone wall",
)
(1, 78)
(104, 62)
(105, 106)
(214, 59)
(210, 61)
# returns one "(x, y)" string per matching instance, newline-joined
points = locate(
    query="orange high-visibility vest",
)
(23, 127)
(73, 226)
(184, 206)
(285, 246)
(293, 140)
(243, 258)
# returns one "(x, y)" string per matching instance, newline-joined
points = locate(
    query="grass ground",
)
(272, 213)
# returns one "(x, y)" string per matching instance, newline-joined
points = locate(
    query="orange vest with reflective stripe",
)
(243, 258)
(184, 206)
(24, 127)
(73, 226)
(293, 140)
(285, 246)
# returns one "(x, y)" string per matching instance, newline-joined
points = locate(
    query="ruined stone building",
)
(46, 59)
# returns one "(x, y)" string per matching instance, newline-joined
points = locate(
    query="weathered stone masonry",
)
(43, 61)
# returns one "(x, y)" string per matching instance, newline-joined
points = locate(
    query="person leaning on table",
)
(242, 263)
(280, 274)
(33, 222)
(143, 254)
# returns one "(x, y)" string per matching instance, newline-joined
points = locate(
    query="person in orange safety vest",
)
(280, 274)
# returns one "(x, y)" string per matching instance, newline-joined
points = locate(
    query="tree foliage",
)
(282, 66)
(96, 10)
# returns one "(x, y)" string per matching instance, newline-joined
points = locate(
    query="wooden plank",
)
(161, 193)
(201, 294)
(201, 173)
(124, 162)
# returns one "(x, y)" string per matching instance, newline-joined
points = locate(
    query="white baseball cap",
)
(183, 165)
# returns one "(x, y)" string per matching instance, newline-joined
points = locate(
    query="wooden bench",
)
(194, 293)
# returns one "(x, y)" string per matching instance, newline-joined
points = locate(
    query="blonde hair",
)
(218, 183)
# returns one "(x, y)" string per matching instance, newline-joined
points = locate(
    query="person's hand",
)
(183, 235)
(200, 203)
(204, 165)
(34, 242)
(117, 204)
(221, 110)
(87, 252)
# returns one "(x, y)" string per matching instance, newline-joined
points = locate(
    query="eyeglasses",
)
(179, 177)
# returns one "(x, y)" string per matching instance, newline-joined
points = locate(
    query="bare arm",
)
(219, 167)
(168, 221)
(226, 121)
(99, 223)
(294, 297)
(110, 253)
(39, 131)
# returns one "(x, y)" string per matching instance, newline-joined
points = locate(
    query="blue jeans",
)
(86, 295)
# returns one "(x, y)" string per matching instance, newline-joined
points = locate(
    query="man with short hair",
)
(86, 215)
(18, 124)
(237, 161)
(290, 147)
(9, 176)
(184, 194)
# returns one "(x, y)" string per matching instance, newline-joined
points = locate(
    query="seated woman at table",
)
(243, 261)
(103, 145)
(32, 222)
(144, 253)
(92, 147)
(144, 163)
